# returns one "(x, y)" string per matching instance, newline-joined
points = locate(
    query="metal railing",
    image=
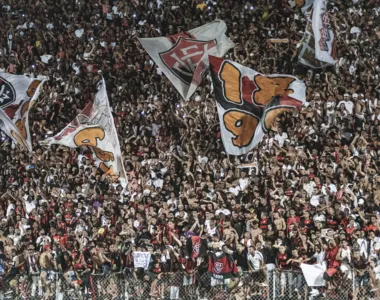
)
(261, 284)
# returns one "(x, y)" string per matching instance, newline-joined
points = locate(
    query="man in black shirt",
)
(240, 258)
(360, 266)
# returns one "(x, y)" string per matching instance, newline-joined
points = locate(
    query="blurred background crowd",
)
(308, 193)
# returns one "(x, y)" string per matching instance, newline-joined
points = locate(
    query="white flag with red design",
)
(17, 95)
(183, 57)
(325, 43)
(94, 128)
(249, 102)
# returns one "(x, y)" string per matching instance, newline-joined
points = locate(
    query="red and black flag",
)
(221, 267)
(196, 247)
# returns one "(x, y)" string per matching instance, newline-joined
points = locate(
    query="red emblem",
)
(183, 58)
(196, 247)
(218, 267)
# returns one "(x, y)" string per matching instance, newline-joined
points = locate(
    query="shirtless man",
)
(48, 264)
(279, 222)
(255, 231)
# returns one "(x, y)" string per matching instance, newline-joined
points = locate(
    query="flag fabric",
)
(196, 247)
(221, 267)
(248, 102)
(141, 259)
(325, 44)
(313, 274)
(94, 128)
(183, 57)
(306, 55)
(17, 95)
(7, 126)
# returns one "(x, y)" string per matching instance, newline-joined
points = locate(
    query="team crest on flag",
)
(196, 247)
(17, 95)
(218, 267)
(183, 57)
(248, 102)
(7, 93)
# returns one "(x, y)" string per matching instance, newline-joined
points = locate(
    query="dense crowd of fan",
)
(308, 193)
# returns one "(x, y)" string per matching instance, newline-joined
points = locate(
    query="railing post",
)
(274, 283)
(353, 283)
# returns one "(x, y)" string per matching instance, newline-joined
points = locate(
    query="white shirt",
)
(319, 217)
(346, 253)
(332, 189)
(202, 160)
(211, 231)
(308, 187)
(348, 105)
(43, 240)
(314, 200)
(281, 138)
(171, 201)
(29, 205)
(320, 257)
(9, 208)
(16, 238)
(255, 260)
(158, 183)
(243, 182)
(155, 129)
(363, 244)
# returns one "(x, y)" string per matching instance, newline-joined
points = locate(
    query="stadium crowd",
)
(310, 192)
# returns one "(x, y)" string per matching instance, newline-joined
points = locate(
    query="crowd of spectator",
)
(309, 193)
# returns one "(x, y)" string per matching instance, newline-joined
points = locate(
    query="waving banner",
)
(7, 126)
(248, 102)
(141, 259)
(306, 54)
(221, 267)
(17, 94)
(94, 127)
(325, 45)
(196, 246)
(313, 274)
(183, 57)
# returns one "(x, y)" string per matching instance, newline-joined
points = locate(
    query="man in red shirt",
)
(333, 263)
(282, 264)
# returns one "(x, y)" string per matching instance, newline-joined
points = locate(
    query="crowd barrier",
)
(261, 284)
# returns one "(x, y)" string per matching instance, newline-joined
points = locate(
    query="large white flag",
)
(94, 128)
(313, 274)
(306, 54)
(248, 102)
(325, 45)
(183, 57)
(17, 94)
